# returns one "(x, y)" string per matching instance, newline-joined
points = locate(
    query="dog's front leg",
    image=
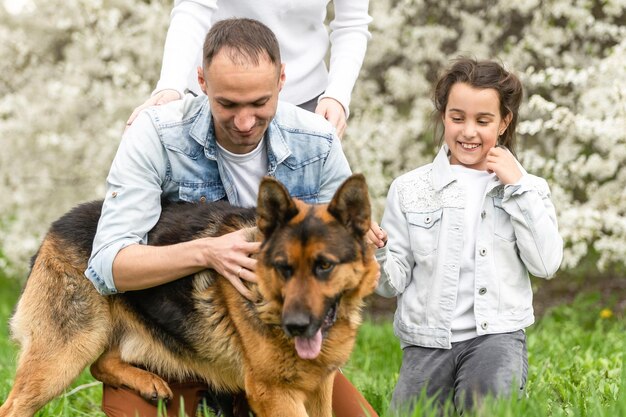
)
(274, 401)
(320, 402)
(112, 370)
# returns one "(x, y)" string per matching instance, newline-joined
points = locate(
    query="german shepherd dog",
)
(314, 269)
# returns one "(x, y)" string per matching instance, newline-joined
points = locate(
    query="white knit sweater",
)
(302, 35)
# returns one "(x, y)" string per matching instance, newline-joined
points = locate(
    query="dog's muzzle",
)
(308, 332)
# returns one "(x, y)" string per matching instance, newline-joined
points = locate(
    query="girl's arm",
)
(396, 258)
(534, 221)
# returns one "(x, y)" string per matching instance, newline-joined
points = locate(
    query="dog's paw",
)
(153, 389)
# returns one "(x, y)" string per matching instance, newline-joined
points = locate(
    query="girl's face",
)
(472, 124)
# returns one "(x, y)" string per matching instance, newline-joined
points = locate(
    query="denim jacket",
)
(170, 152)
(424, 216)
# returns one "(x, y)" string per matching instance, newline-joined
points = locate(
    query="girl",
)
(463, 232)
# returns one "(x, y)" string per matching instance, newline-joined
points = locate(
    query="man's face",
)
(243, 99)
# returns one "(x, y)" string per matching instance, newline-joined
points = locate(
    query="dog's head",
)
(315, 265)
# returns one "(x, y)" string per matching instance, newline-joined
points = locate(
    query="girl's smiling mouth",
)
(469, 146)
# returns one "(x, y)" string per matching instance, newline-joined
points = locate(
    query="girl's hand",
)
(501, 161)
(376, 235)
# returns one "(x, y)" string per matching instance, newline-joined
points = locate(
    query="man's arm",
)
(132, 204)
(143, 266)
(121, 259)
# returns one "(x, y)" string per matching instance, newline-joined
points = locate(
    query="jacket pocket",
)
(503, 227)
(424, 231)
(200, 193)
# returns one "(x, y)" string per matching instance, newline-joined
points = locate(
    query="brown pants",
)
(123, 402)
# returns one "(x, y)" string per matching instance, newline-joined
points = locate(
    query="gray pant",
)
(494, 364)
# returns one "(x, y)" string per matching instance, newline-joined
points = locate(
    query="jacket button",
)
(427, 220)
(114, 194)
(203, 199)
(482, 251)
(483, 214)
(484, 325)
(482, 291)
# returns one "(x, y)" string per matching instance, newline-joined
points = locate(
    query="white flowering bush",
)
(71, 71)
(571, 57)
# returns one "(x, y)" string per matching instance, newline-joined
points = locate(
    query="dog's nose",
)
(297, 324)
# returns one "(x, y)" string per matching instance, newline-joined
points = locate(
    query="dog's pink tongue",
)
(309, 348)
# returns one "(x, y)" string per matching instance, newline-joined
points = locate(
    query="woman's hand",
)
(333, 111)
(162, 97)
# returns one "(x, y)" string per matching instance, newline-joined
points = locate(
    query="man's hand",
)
(230, 255)
(162, 97)
(503, 163)
(334, 112)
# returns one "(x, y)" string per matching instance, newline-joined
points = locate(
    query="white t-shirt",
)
(245, 170)
(475, 183)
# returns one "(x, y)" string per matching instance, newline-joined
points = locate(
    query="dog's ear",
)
(351, 205)
(275, 207)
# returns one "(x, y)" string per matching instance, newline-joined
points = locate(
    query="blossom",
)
(606, 313)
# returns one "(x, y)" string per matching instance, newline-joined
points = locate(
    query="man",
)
(208, 148)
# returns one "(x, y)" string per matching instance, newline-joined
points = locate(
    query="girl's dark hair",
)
(482, 74)
(245, 41)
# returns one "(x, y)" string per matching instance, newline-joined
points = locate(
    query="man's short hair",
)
(245, 40)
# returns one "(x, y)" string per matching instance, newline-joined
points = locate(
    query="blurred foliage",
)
(70, 74)
(71, 71)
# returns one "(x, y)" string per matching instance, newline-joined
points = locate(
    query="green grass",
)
(84, 402)
(576, 366)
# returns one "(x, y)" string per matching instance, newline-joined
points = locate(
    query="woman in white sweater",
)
(304, 41)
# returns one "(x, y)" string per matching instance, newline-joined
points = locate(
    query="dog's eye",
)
(323, 268)
(284, 269)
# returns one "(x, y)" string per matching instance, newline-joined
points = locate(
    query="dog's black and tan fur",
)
(314, 270)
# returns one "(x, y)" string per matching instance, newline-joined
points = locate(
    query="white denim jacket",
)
(424, 216)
